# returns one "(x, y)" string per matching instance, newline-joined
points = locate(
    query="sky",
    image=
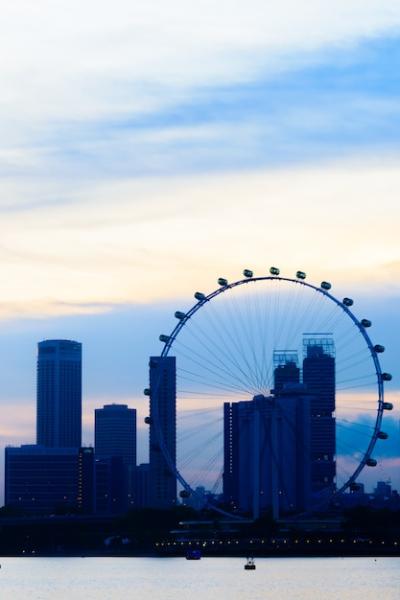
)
(148, 148)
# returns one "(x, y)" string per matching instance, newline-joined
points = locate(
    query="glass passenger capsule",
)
(387, 406)
(348, 301)
(180, 315)
(366, 323)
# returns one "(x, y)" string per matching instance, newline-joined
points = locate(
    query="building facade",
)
(49, 480)
(59, 394)
(115, 448)
(266, 453)
(163, 487)
(319, 379)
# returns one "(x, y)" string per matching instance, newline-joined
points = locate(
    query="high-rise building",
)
(286, 369)
(266, 453)
(115, 433)
(142, 496)
(319, 379)
(163, 486)
(111, 486)
(59, 394)
(115, 440)
(47, 480)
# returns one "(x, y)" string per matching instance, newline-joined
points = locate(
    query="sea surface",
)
(210, 578)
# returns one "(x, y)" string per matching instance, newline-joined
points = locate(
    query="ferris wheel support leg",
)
(256, 464)
(274, 465)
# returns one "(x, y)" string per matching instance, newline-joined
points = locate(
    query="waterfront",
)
(222, 578)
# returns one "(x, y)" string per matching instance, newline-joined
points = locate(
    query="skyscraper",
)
(286, 370)
(265, 465)
(319, 378)
(162, 431)
(59, 394)
(115, 445)
(115, 433)
(45, 480)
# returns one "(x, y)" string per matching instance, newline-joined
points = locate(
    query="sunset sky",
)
(147, 148)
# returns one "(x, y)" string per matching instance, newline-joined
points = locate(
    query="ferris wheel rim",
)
(183, 320)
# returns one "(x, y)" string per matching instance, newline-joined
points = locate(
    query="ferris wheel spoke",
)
(246, 335)
(353, 407)
(207, 469)
(196, 412)
(234, 343)
(290, 320)
(197, 450)
(348, 366)
(193, 433)
(359, 378)
(362, 425)
(218, 482)
(343, 339)
(228, 357)
(265, 311)
(192, 456)
(313, 317)
(262, 341)
(251, 318)
(199, 378)
(204, 362)
(306, 315)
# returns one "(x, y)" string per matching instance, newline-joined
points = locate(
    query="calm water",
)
(210, 578)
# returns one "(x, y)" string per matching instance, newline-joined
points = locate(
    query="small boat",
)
(193, 554)
(250, 565)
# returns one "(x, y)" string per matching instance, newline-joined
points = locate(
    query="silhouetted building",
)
(163, 487)
(115, 432)
(266, 453)
(49, 480)
(142, 496)
(319, 378)
(111, 489)
(383, 490)
(59, 394)
(286, 369)
(115, 437)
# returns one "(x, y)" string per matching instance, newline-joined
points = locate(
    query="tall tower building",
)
(59, 394)
(267, 454)
(115, 449)
(115, 433)
(319, 379)
(162, 431)
(286, 369)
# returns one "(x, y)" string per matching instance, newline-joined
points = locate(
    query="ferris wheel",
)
(279, 395)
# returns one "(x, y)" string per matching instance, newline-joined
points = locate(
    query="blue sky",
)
(147, 149)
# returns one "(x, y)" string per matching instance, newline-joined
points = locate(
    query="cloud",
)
(71, 64)
(72, 59)
(141, 240)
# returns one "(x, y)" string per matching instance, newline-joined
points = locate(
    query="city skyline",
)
(308, 345)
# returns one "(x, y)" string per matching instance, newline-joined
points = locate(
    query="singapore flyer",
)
(279, 396)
